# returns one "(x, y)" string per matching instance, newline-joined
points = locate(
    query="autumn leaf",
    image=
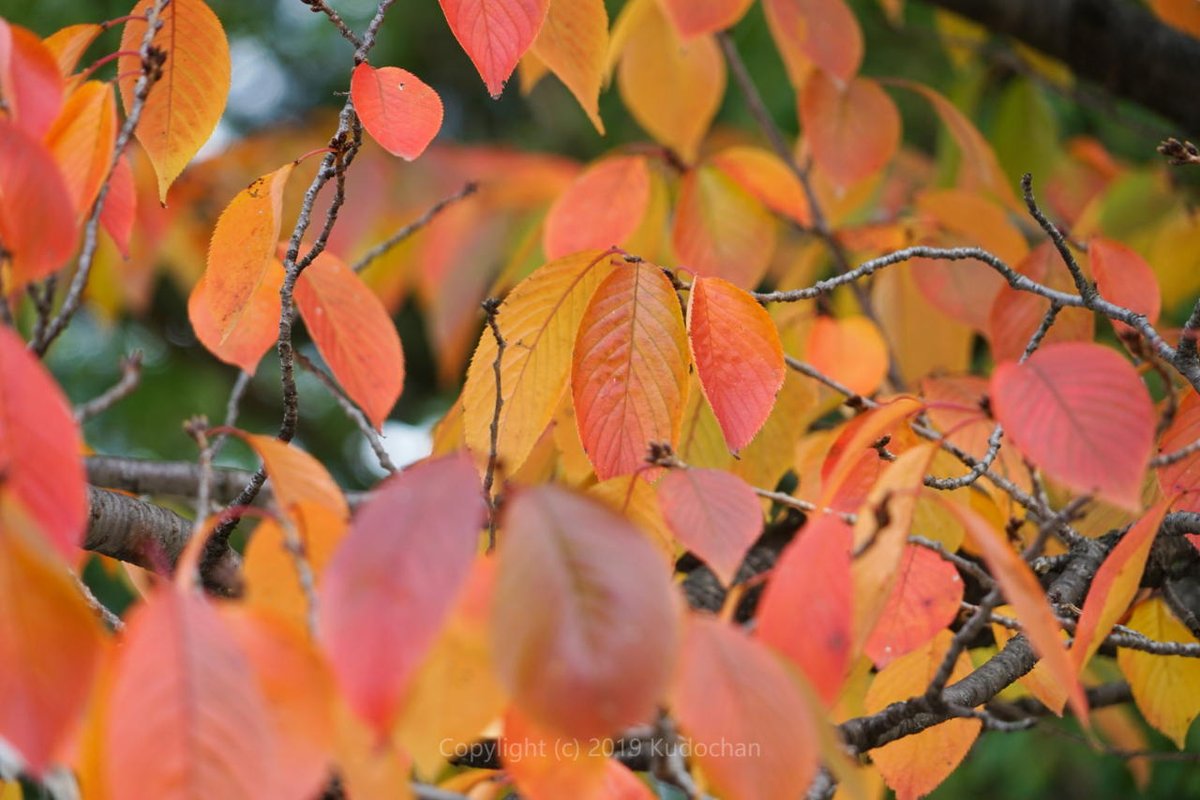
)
(70, 43)
(1016, 315)
(694, 19)
(120, 206)
(1123, 277)
(851, 350)
(41, 464)
(924, 600)
(1165, 688)
(1079, 412)
(738, 357)
(37, 215)
(558, 553)
(721, 230)
(495, 34)
(573, 43)
(296, 477)
(29, 80)
(354, 333)
(713, 514)
(731, 694)
(183, 107)
(823, 33)
(852, 465)
(1182, 476)
(409, 550)
(629, 370)
(82, 139)
(397, 108)
(765, 176)
(270, 570)
(602, 208)
(853, 130)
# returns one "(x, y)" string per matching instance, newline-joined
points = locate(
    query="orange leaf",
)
(186, 717)
(37, 217)
(296, 477)
(738, 357)
(1015, 315)
(29, 80)
(270, 569)
(1115, 585)
(580, 595)
(40, 449)
(850, 350)
(495, 34)
(70, 43)
(545, 766)
(354, 334)
(397, 108)
(409, 550)
(673, 89)
(712, 513)
(602, 208)
(752, 729)
(573, 43)
(924, 600)
(1184, 475)
(853, 130)
(82, 140)
(234, 310)
(813, 574)
(629, 370)
(820, 32)
(764, 175)
(693, 19)
(721, 230)
(842, 474)
(120, 206)
(915, 765)
(1079, 412)
(1181, 14)
(1023, 591)
(1166, 689)
(183, 107)
(1123, 277)
(543, 313)
(50, 644)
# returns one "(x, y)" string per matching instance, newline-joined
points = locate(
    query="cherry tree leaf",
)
(852, 465)
(578, 587)
(29, 79)
(236, 304)
(179, 657)
(853, 130)
(712, 513)
(813, 573)
(296, 477)
(738, 357)
(183, 108)
(764, 175)
(495, 34)
(1015, 315)
(1182, 476)
(672, 88)
(815, 32)
(1079, 412)
(50, 644)
(397, 108)
(602, 208)
(693, 19)
(851, 350)
(915, 765)
(1123, 277)
(41, 451)
(573, 43)
(37, 216)
(721, 230)
(925, 599)
(120, 206)
(70, 43)
(1115, 585)
(629, 370)
(733, 692)
(409, 550)
(1166, 689)
(354, 334)
(82, 139)
(539, 320)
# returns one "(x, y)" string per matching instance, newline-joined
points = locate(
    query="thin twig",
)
(411, 228)
(131, 374)
(106, 615)
(351, 410)
(491, 307)
(1085, 288)
(322, 7)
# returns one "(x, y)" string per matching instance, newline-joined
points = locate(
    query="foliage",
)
(775, 467)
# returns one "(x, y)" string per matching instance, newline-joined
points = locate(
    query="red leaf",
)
(495, 34)
(29, 79)
(721, 230)
(820, 32)
(629, 372)
(50, 646)
(1124, 277)
(41, 464)
(1184, 475)
(750, 725)
(120, 206)
(354, 334)
(1079, 412)
(581, 595)
(692, 18)
(397, 108)
(712, 513)
(602, 208)
(82, 140)
(395, 577)
(37, 217)
(853, 130)
(738, 357)
(813, 574)
(924, 600)
(186, 717)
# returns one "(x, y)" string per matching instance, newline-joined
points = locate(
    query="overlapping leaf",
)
(37, 216)
(602, 208)
(823, 33)
(693, 19)
(712, 513)
(765, 176)
(721, 230)
(924, 600)
(573, 43)
(1123, 277)
(29, 79)
(82, 139)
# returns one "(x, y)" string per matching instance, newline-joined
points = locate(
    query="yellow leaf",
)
(573, 42)
(1165, 688)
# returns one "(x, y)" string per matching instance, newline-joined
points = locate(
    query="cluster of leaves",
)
(637, 418)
